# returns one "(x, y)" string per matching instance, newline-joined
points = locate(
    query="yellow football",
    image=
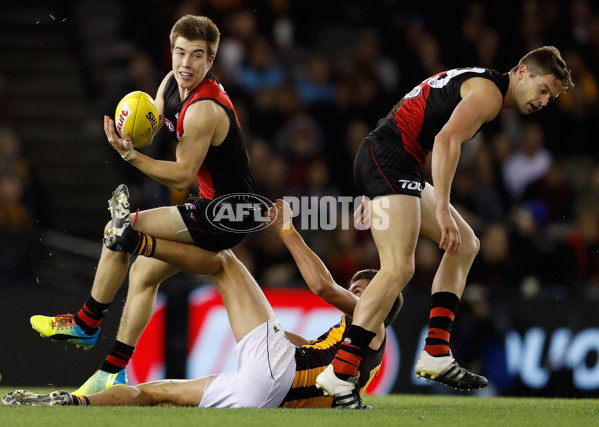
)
(137, 115)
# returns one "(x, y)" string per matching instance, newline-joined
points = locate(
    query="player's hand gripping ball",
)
(137, 115)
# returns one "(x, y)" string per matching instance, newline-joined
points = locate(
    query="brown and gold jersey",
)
(312, 359)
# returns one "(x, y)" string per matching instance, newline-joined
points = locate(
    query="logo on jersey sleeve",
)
(441, 79)
(414, 93)
(169, 125)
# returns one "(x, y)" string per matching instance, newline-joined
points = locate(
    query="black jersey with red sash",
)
(226, 168)
(420, 114)
(313, 358)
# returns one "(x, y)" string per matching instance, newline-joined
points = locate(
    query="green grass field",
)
(400, 410)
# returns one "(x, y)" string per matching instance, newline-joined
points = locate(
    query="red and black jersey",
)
(226, 168)
(313, 358)
(419, 116)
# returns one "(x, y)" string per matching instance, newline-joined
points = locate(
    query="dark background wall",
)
(521, 346)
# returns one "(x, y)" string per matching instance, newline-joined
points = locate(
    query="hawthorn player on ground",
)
(274, 368)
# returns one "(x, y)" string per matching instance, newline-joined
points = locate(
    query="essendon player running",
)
(210, 150)
(438, 115)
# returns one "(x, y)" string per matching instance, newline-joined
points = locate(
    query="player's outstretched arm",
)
(317, 276)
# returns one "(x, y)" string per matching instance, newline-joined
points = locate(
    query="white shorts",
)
(265, 371)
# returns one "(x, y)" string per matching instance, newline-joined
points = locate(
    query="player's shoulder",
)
(481, 85)
(205, 111)
(167, 78)
(162, 87)
(484, 90)
(212, 88)
(481, 101)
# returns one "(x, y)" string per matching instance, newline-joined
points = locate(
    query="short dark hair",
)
(369, 274)
(193, 28)
(547, 60)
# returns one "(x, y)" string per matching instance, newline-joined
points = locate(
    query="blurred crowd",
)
(308, 85)
(18, 209)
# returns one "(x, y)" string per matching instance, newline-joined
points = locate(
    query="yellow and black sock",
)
(146, 245)
(443, 309)
(80, 400)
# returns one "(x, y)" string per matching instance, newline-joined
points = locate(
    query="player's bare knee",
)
(405, 274)
(399, 273)
(144, 392)
(225, 258)
(141, 277)
(470, 246)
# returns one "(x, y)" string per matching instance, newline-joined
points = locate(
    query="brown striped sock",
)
(80, 400)
(146, 245)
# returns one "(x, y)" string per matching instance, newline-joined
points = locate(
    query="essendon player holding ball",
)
(196, 109)
(438, 115)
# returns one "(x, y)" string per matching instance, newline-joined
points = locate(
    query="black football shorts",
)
(208, 232)
(383, 167)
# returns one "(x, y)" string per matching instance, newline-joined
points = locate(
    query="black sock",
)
(444, 306)
(118, 358)
(349, 356)
(90, 316)
(359, 336)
